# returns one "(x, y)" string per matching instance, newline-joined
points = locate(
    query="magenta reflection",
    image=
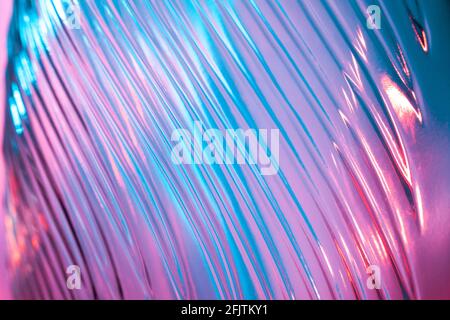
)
(101, 94)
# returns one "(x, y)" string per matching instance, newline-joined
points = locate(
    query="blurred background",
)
(5, 13)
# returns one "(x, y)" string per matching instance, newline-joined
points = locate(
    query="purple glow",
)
(363, 175)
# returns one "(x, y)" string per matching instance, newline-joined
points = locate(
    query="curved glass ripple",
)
(363, 174)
